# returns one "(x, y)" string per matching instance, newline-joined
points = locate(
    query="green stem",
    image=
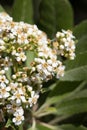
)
(20, 127)
(34, 123)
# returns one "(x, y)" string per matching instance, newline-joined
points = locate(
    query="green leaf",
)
(54, 17)
(47, 111)
(23, 11)
(20, 127)
(62, 87)
(71, 107)
(44, 126)
(30, 58)
(1, 9)
(6, 8)
(70, 100)
(81, 94)
(82, 45)
(32, 129)
(8, 124)
(76, 70)
(1, 125)
(80, 30)
(72, 127)
(41, 127)
(8, 73)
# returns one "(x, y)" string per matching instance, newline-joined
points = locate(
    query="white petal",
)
(18, 101)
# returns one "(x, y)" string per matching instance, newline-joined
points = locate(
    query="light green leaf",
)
(72, 127)
(23, 11)
(76, 70)
(8, 124)
(30, 58)
(54, 17)
(80, 30)
(1, 9)
(8, 73)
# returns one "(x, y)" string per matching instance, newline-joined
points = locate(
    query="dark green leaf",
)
(63, 87)
(23, 11)
(76, 70)
(81, 94)
(80, 30)
(71, 107)
(55, 15)
(82, 45)
(72, 127)
(66, 104)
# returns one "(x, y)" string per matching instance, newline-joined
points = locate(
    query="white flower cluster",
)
(66, 44)
(20, 83)
(47, 65)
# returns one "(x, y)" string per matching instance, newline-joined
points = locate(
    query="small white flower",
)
(14, 76)
(19, 96)
(13, 86)
(4, 91)
(53, 62)
(2, 72)
(7, 63)
(60, 71)
(59, 34)
(44, 51)
(18, 116)
(3, 79)
(19, 110)
(61, 46)
(33, 99)
(21, 56)
(72, 55)
(14, 52)
(29, 88)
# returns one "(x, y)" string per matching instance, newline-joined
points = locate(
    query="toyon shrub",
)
(27, 60)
